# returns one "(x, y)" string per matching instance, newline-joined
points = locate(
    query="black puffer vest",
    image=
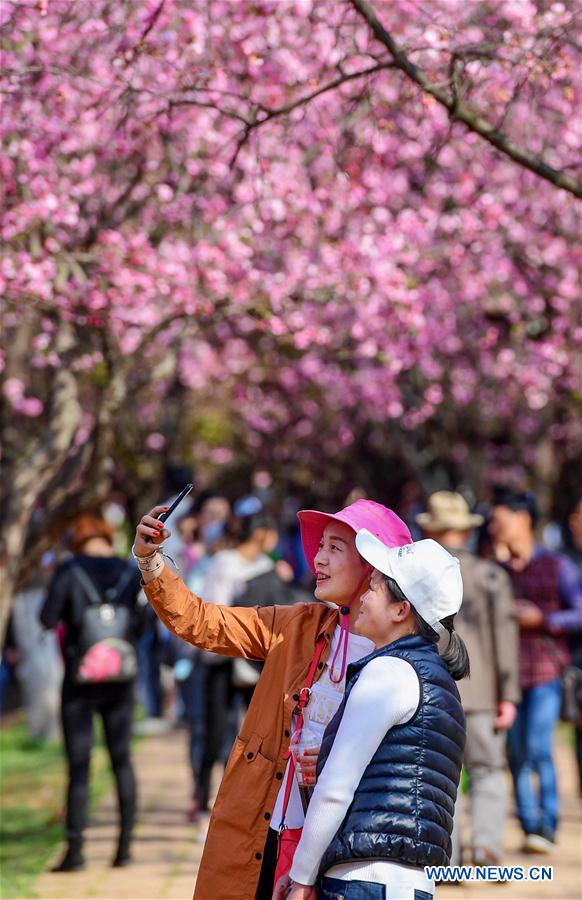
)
(403, 808)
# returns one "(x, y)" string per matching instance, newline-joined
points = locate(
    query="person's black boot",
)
(126, 794)
(123, 855)
(76, 822)
(72, 861)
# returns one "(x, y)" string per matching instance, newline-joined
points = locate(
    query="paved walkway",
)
(566, 860)
(166, 853)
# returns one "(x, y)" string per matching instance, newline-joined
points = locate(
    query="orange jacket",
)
(284, 637)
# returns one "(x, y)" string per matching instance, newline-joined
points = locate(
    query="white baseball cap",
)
(428, 576)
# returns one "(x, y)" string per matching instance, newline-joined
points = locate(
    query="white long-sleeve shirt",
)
(225, 580)
(326, 696)
(386, 694)
(228, 573)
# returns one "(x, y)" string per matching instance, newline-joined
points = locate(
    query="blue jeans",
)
(149, 655)
(530, 753)
(5, 678)
(339, 889)
(192, 692)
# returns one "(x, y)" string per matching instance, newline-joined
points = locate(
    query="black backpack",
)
(105, 653)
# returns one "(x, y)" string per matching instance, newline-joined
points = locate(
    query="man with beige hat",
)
(487, 624)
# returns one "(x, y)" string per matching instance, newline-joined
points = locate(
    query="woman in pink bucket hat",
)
(305, 649)
(317, 533)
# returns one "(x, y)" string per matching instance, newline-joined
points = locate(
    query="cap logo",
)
(407, 550)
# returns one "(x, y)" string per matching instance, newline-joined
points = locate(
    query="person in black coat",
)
(94, 591)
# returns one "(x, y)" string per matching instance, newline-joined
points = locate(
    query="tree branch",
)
(462, 112)
(265, 114)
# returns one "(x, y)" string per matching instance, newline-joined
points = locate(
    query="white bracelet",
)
(148, 563)
(151, 563)
(155, 571)
(148, 556)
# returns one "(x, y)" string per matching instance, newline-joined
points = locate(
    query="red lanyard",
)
(304, 695)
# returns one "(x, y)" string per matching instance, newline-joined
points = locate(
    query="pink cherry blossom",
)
(360, 265)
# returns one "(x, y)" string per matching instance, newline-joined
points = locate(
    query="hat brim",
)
(374, 552)
(312, 524)
(425, 520)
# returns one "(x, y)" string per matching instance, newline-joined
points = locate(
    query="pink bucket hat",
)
(377, 519)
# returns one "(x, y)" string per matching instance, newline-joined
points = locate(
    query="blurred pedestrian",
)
(202, 530)
(487, 624)
(150, 653)
(210, 511)
(411, 504)
(8, 662)
(290, 546)
(242, 841)
(39, 669)
(549, 608)
(176, 477)
(255, 536)
(572, 548)
(96, 594)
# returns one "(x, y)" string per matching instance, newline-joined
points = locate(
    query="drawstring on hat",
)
(345, 626)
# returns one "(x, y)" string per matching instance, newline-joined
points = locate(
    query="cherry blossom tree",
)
(282, 230)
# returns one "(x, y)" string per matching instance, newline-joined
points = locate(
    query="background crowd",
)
(521, 620)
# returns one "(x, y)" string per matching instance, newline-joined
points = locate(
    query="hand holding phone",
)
(149, 525)
(184, 493)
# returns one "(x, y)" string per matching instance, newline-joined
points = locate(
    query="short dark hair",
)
(249, 516)
(517, 501)
(203, 497)
(395, 589)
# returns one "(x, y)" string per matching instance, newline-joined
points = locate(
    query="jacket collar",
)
(329, 620)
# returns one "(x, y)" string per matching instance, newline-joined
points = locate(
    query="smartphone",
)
(163, 517)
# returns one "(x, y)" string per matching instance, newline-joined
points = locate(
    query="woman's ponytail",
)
(455, 654)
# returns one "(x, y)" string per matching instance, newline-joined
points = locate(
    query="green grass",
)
(566, 734)
(32, 792)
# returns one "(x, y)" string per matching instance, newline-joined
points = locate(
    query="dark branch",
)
(267, 114)
(462, 112)
(208, 104)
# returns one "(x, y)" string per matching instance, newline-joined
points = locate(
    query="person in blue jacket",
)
(390, 760)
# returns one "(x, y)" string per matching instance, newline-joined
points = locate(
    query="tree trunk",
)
(29, 477)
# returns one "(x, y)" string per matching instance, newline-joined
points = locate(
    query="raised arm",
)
(568, 619)
(232, 631)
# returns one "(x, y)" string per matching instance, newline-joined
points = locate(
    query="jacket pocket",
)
(244, 790)
(252, 747)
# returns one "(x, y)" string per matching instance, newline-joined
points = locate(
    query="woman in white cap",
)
(390, 760)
